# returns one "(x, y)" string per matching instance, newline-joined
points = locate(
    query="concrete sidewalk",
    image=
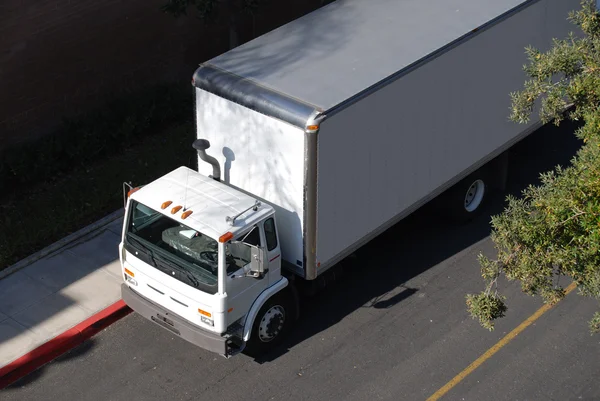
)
(57, 289)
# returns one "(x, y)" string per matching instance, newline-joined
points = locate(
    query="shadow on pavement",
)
(75, 353)
(401, 296)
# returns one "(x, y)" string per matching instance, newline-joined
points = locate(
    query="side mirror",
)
(257, 267)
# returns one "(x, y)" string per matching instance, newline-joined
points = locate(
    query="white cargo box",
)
(409, 96)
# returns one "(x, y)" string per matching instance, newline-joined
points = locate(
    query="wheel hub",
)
(474, 196)
(271, 323)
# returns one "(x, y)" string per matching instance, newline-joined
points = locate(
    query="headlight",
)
(205, 317)
(130, 280)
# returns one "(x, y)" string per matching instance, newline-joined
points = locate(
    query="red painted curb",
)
(62, 343)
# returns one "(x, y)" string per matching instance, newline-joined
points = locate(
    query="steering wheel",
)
(210, 256)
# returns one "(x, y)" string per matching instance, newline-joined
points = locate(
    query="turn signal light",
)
(132, 190)
(312, 127)
(205, 313)
(175, 209)
(165, 205)
(129, 272)
(186, 214)
(225, 237)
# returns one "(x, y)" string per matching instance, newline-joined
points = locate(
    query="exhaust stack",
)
(201, 145)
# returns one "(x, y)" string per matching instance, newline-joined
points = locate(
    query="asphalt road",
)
(395, 328)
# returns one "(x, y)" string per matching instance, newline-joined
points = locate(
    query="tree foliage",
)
(553, 230)
(209, 9)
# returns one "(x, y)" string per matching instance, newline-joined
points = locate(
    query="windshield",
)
(174, 248)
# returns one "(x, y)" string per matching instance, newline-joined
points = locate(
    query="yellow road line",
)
(490, 352)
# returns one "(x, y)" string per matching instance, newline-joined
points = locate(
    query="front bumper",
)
(176, 324)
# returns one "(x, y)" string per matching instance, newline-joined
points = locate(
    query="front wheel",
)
(270, 325)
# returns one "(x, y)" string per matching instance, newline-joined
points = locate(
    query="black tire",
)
(280, 314)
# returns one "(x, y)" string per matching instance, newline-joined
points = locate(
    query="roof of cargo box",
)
(340, 50)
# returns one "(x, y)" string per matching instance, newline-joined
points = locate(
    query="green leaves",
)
(213, 10)
(595, 323)
(567, 74)
(204, 8)
(87, 193)
(587, 19)
(486, 308)
(120, 123)
(553, 230)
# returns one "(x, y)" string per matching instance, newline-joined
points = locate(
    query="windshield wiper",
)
(141, 247)
(153, 257)
(180, 269)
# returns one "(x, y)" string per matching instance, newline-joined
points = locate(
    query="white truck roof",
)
(211, 201)
(336, 52)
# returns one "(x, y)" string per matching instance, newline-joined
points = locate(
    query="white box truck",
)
(313, 139)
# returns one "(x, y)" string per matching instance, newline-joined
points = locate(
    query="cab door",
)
(242, 288)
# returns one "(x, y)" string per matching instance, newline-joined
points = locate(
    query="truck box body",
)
(409, 96)
(260, 155)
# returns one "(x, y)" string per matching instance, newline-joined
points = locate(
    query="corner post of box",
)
(310, 194)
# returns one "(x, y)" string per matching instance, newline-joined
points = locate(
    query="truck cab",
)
(201, 259)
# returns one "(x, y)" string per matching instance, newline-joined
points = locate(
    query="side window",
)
(253, 238)
(270, 234)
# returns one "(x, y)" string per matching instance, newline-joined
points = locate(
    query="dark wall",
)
(63, 57)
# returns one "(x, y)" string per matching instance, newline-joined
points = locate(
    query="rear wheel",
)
(474, 195)
(270, 325)
(467, 199)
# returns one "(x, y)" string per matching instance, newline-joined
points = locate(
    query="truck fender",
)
(259, 302)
